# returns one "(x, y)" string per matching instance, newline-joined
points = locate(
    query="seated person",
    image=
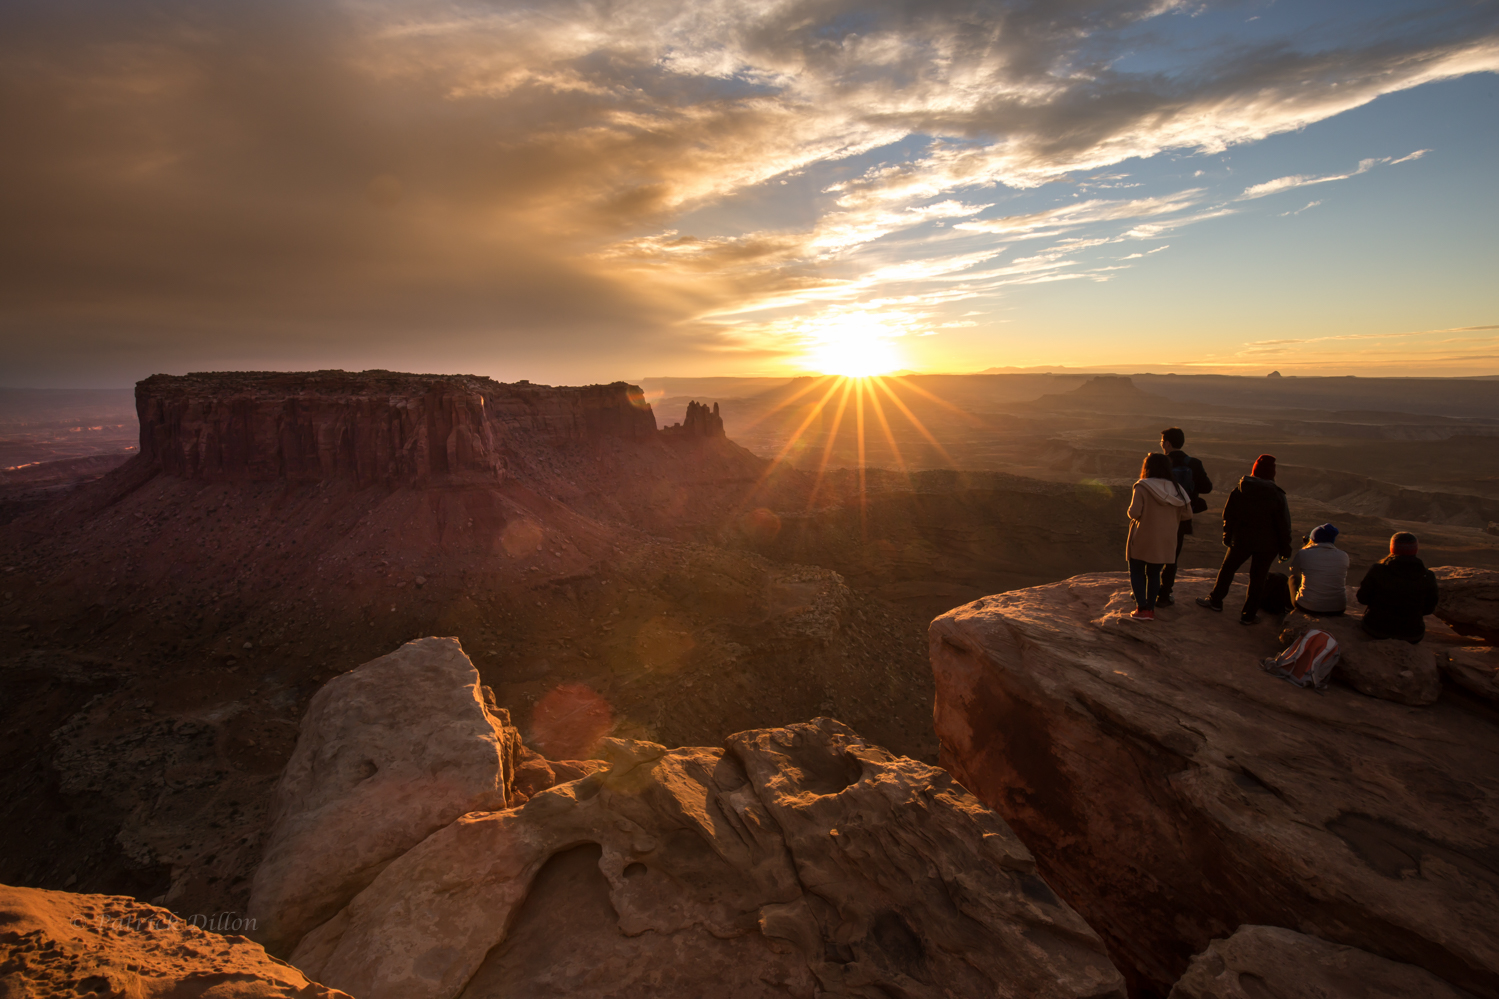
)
(1319, 575)
(1399, 592)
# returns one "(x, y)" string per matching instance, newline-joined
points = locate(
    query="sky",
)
(587, 191)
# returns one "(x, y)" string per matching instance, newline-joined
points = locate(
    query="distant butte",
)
(367, 426)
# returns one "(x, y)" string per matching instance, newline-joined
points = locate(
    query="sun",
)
(853, 356)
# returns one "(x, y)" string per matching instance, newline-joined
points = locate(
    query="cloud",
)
(456, 183)
(1302, 180)
(1255, 347)
(1079, 213)
(1305, 207)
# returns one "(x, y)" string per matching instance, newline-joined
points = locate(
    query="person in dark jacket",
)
(1190, 474)
(1256, 528)
(1399, 591)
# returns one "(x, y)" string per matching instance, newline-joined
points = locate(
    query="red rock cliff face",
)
(367, 426)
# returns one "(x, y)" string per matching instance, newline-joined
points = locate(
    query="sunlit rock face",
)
(797, 861)
(56, 943)
(366, 427)
(1172, 791)
(388, 753)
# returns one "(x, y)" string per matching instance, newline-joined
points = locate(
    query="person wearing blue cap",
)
(1319, 575)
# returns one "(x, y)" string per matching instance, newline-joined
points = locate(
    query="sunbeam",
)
(920, 427)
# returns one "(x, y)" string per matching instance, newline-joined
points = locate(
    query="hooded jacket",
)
(1156, 506)
(1399, 591)
(1257, 517)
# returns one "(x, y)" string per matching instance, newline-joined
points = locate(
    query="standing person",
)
(1319, 575)
(1399, 591)
(1256, 527)
(1191, 476)
(1157, 504)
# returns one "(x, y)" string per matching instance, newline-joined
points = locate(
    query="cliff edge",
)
(1173, 791)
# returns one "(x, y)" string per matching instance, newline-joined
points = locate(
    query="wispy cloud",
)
(1080, 213)
(1309, 205)
(1280, 184)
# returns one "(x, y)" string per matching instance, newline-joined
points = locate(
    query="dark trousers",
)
(1259, 568)
(1168, 574)
(1145, 582)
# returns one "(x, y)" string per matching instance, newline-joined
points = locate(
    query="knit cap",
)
(1403, 543)
(1264, 467)
(1326, 534)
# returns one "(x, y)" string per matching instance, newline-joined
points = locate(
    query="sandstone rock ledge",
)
(1174, 792)
(55, 943)
(798, 861)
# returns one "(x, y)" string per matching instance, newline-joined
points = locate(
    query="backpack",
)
(1183, 476)
(1308, 662)
(1182, 473)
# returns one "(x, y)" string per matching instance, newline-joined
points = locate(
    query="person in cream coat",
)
(1156, 507)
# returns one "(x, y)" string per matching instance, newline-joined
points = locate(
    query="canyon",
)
(660, 623)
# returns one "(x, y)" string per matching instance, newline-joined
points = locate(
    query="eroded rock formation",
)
(799, 861)
(1261, 961)
(364, 427)
(1173, 791)
(55, 943)
(700, 421)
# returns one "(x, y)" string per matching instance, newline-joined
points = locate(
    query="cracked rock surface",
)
(1173, 791)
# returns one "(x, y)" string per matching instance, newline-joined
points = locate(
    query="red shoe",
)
(1142, 615)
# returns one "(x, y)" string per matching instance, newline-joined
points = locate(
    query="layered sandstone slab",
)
(389, 752)
(1173, 791)
(1260, 961)
(1468, 600)
(797, 861)
(55, 943)
(368, 426)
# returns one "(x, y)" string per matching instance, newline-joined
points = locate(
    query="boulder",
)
(389, 752)
(1468, 600)
(795, 861)
(56, 943)
(1475, 668)
(1272, 961)
(1172, 791)
(1386, 668)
